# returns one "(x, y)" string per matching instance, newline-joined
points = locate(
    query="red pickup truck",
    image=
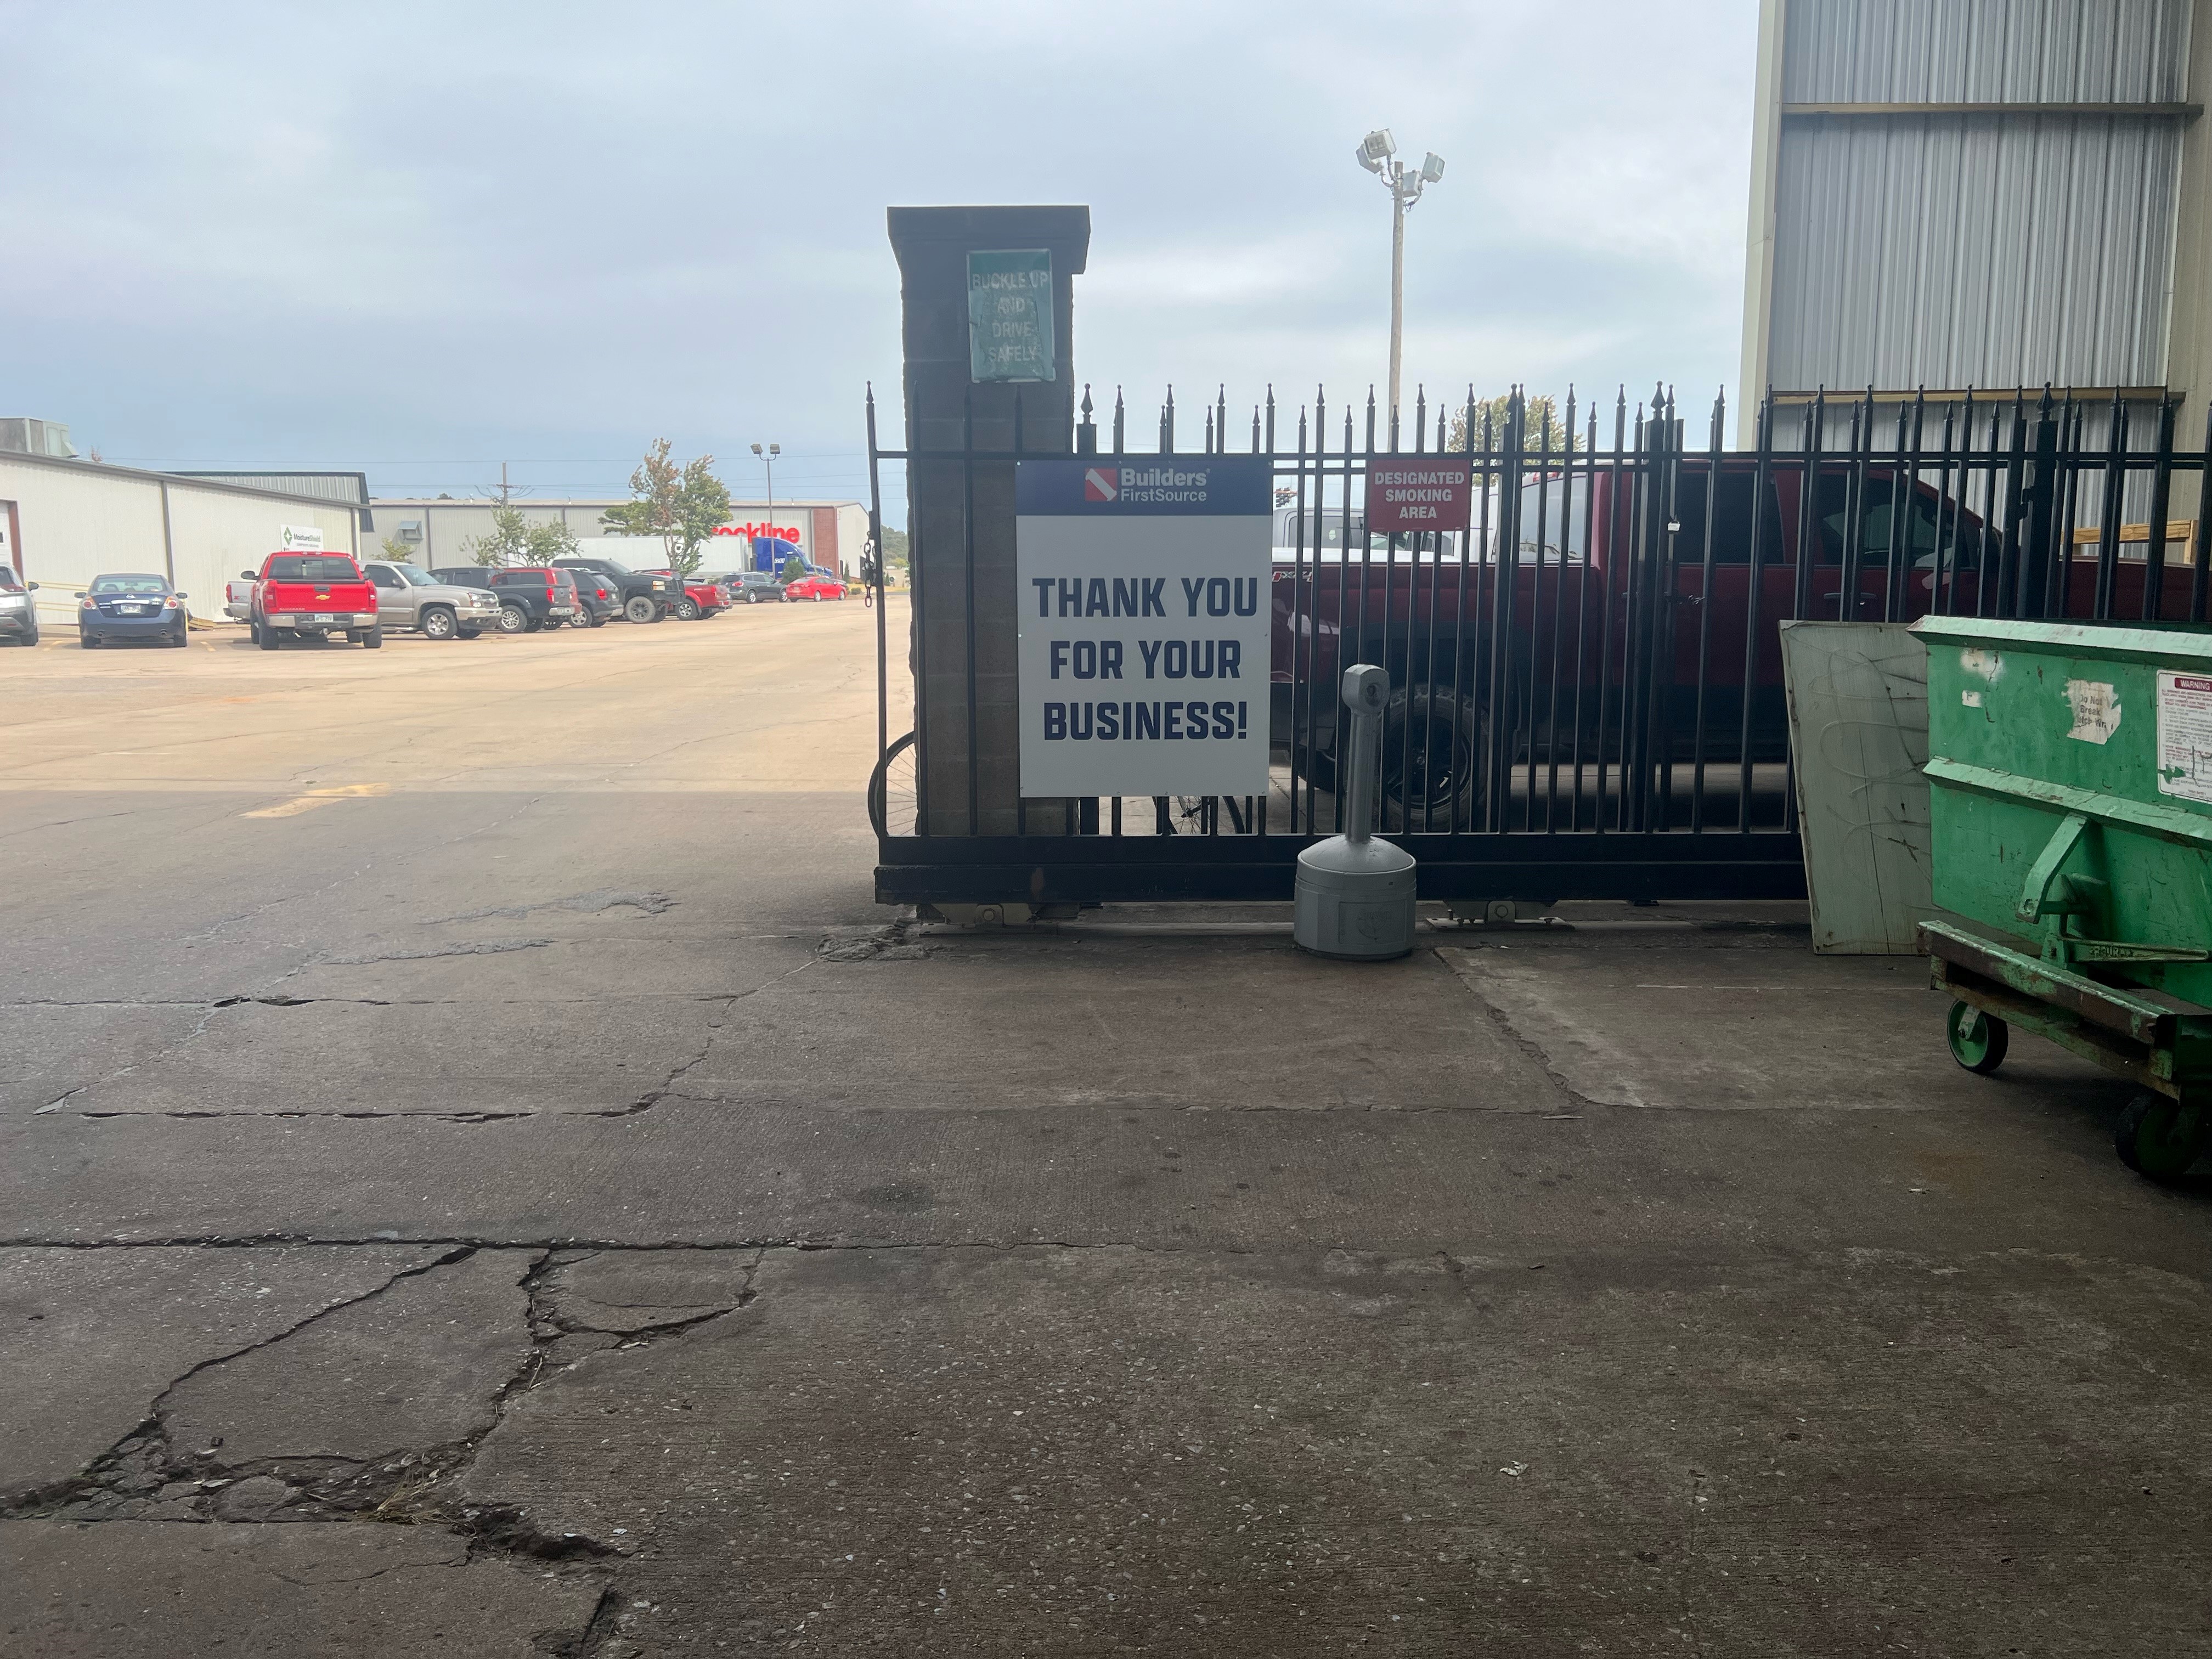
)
(1580, 606)
(312, 596)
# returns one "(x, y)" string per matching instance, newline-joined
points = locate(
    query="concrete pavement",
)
(468, 1088)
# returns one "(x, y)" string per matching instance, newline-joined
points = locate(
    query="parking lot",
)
(468, 1087)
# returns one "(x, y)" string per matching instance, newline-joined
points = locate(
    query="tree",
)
(548, 542)
(684, 506)
(1539, 423)
(508, 542)
(397, 550)
(514, 540)
(894, 553)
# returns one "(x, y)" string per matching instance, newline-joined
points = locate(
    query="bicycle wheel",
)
(893, 800)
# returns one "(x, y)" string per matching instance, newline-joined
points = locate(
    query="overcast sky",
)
(418, 240)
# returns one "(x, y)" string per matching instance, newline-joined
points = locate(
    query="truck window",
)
(1329, 532)
(1916, 521)
(1732, 526)
(310, 568)
(1556, 513)
(384, 577)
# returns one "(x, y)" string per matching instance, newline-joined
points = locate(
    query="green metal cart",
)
(2070, 772)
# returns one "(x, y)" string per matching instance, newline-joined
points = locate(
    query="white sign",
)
(1143, 594)
(2185, 735)
(301, 538)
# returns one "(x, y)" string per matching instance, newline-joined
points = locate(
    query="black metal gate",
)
(1588, 698)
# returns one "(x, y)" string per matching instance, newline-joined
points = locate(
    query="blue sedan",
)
(130, 607)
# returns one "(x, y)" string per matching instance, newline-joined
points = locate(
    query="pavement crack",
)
(467, 948)
(144, 1460)
(1581, 1102)
(652, 1097)
(591, 903)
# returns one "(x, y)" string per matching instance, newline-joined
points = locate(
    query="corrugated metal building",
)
(63, 522)
(1955, 193)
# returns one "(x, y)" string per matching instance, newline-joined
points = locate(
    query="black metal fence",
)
(1587, 688)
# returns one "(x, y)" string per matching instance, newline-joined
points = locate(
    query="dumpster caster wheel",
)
(2159, 1139)
(1977, 1042)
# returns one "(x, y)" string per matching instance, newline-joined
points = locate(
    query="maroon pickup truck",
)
(312, 596)
(1588, 624)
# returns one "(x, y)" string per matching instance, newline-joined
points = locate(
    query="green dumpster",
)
(2070, 766)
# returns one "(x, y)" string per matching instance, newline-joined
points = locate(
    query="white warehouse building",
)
(63, 521)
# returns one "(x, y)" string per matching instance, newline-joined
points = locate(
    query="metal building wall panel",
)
(1972, 251)
(1895, 52)
(217, 535)
(79, 522)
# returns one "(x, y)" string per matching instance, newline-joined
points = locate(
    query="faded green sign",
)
(1009, 314)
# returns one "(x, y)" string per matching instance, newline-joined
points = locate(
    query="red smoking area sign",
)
(1418, 493)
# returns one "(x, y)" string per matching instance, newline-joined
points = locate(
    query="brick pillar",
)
(932, 245)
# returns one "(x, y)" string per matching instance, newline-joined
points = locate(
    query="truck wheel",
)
(437, 622)
(580, 617)
(88, 642)
(372, 637)
(1432, 761)
(687, 609)
(642, 608)
(468, 633)
(512, 620)
(598, 619)
(264, 636)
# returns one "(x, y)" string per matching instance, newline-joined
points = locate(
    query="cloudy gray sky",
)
(418, 240)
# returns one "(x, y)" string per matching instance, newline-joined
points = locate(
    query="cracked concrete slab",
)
(371, 1058)
(51, 1050)
(423, 1364)
(538, 969)
(90, 1339)
(1694, 1029)
(1050, 1450)
(1215, 1024)
(130, 1589)
(623, 1292)
(691, 1172)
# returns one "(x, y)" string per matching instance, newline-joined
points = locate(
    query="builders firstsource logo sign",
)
(1083, 487)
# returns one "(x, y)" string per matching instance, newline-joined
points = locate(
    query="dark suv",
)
(531, 595)
(647, 596)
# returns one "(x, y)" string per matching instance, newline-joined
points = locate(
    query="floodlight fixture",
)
(1376, 153)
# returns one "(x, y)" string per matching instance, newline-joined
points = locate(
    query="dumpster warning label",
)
(2185, 735)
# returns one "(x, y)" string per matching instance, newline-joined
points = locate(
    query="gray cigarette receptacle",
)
(1355, 894)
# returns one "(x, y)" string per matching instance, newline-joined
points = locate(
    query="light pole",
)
(767, 463)
(1378, 153)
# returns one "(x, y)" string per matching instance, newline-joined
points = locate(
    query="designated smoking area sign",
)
(1143, 595)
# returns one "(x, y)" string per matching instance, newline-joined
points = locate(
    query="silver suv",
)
(408, 596)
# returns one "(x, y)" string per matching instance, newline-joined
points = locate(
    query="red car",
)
(815, 587)
(701, 598)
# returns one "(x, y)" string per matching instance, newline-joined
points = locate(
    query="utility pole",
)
(1378, 153)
